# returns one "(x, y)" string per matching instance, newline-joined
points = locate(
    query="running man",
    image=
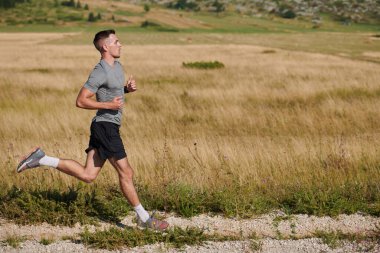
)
(107, 82)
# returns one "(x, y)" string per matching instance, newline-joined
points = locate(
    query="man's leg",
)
(125, 173)
(88, 173)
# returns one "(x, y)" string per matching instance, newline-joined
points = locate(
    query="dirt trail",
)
(274, 231)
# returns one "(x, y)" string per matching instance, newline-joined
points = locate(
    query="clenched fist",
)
(116, 103)
(131, 84)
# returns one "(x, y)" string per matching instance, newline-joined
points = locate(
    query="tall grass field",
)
(272, 129)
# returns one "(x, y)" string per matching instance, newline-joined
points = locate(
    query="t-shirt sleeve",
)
(96, 79)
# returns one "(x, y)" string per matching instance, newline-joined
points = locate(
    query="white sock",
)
(49, 161)
(142, 213)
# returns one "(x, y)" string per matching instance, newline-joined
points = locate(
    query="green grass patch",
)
(14, 240)
(90, 206)
(256, 246)
(46, 241)
(334, 238)
(332, 201)
(116, 238)
(203, 65)
(127, 13)
(246, 201)
(63, 208)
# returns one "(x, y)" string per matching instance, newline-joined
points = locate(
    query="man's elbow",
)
(79, 103)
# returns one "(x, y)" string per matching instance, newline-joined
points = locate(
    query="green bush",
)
(146, 8)
(286, 11)
(203, 65)
(290, 14)
(157, 27)
(184, 5)
(147, 23)
(70, 3)
(91, 17)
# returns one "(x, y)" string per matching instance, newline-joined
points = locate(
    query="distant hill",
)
(186, 14)
(343, 10)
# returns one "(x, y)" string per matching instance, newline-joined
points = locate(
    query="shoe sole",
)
(153, 229)
(156, 229)
(22, 165)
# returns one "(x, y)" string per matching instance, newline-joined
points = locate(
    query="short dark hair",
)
(102, 35)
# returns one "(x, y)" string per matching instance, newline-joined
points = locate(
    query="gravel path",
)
(269, 228)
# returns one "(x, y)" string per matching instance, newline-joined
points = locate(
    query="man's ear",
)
(105, 47)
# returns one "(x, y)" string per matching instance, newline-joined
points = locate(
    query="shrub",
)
(91, 17)
(157, 27)
(203, 65)
(146, 8)
(286, 11)
(288, 14)
(147, 23)
(219, 7)
(70, 3)
(184, 5)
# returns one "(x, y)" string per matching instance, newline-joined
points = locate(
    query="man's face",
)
(113, 45)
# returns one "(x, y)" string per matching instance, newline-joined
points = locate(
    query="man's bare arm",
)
(85, 101)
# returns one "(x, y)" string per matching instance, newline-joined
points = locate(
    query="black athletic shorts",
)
(105, 137)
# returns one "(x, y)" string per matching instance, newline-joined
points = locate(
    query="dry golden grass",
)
(266, 119)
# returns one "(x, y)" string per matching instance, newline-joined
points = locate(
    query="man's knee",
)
(126, 174)
(88, 178)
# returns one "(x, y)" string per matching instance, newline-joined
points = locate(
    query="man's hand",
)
(131, 84)
(116, 103)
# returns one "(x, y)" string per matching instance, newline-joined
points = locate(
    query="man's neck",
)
(109, 59)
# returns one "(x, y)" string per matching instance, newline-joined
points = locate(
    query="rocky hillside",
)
(362, 11)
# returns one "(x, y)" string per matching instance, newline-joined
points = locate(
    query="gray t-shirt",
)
(107, 82)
